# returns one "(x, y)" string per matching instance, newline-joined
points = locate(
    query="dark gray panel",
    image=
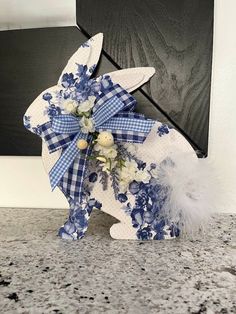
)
(174, 36)
(31, 61)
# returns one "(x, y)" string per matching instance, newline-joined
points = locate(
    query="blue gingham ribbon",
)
(64, 131)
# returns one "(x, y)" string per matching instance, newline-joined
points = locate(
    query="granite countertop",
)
(40, 273)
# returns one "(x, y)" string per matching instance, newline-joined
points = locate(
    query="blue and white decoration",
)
(101, 154)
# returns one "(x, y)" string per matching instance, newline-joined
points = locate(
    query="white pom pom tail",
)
(191, 185)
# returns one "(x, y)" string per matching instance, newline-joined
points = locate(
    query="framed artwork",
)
(175, 37)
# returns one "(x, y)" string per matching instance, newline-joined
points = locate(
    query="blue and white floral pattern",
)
(143, 202)
(77, 87)
(146, 211)
(26, 121)
(163, 129)
(51, 110)
(86, 44)
(77, 224)
(27, 124)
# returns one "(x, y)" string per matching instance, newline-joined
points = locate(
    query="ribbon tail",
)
(79, 171)
(64, 162)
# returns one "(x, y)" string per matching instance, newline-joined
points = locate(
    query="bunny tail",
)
(191, 191)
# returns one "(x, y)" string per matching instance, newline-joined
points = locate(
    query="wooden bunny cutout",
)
(102, 154)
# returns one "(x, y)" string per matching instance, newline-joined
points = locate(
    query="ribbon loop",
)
(110, 108)
(128, 100)
(65, 123)
(128, 124)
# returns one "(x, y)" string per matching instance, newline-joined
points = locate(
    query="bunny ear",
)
(131, 79)
(84, 60)
(82, 63)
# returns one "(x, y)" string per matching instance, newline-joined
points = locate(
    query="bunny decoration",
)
(101, 154)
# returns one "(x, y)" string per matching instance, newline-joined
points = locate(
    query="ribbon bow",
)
(64, 131)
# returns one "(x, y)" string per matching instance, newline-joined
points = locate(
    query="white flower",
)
(130, 169)
(97, 147)
(107, 156)
(127, 174)
(86, 105)
(130, 173)
(154, 172)
(108, 152)
(70, 105)
(142, 175)
(87, 125)
(123, 185)
(131, 148)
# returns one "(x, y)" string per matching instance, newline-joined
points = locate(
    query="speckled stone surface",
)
(40, 273)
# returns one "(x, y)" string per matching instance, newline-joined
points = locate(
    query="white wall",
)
(222, 139)
(25, 175)
(16, 14)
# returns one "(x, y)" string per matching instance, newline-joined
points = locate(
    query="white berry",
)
(70, 105)
(82, 144)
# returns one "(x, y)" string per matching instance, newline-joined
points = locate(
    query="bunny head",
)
(101, 154)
